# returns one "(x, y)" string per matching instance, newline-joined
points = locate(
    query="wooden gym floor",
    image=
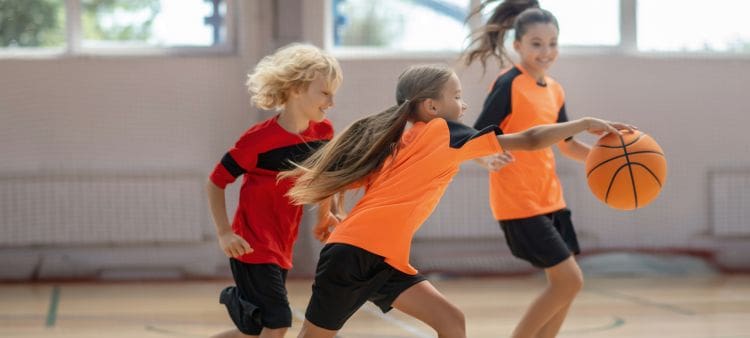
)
(692, 307)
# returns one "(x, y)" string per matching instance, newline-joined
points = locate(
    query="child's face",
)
(315, 99)
(538, 47)
(451, 105)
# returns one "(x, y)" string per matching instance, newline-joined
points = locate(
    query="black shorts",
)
(544, 240)
(259, 300)
(347, 277)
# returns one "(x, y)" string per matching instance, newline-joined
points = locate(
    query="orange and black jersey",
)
(402, 194)
(265, 217)
(529, 186)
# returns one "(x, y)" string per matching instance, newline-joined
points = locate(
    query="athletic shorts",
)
(544, 240)
(259, 298)
(347, 277)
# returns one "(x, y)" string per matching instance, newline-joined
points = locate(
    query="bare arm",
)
(495, 162)
(482, 162)
(329, 215)
(574, 149)
(543, 136)
(232, 244)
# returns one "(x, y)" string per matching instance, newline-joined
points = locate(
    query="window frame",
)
(474, 23)
(628, 45)
(74, 41)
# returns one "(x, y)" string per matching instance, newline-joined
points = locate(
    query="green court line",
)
(616, 322)
(54, 301)
(643, 302)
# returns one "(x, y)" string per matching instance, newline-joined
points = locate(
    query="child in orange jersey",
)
(405, 173)
(526, 194)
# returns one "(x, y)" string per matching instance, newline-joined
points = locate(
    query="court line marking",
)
(616, 322)
(644, 302)
(417, 332)
(298, 314)
(53, 305)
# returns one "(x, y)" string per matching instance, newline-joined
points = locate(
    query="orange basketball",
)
(626, 170)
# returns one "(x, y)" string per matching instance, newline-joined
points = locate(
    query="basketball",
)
(626, 170)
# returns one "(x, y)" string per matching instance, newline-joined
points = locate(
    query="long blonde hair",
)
(363, 147)
(293, 66)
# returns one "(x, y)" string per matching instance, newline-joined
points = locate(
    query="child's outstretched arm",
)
(574, 149)
(548, 134)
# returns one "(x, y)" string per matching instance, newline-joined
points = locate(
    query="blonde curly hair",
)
(291, 67)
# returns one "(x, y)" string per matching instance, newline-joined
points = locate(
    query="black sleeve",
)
(461, 133)
(562, 116)
(231, 165)
(497, 105)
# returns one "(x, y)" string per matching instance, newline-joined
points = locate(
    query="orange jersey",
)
(529, 186)
(403, 193)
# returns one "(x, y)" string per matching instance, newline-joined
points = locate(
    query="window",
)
(113, 25)
(434, 25)
(32, 23)
(402, 25)
(577, 19)
(693, 26)
(626, 26)
(586, 22)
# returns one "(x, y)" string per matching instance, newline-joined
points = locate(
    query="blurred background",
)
(113, 112)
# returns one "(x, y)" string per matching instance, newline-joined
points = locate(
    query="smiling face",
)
(538, 48)
(450, 105)
(314, 100)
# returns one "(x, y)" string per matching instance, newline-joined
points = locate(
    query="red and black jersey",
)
(265, 217)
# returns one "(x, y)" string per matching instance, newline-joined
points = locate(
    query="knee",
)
(274, 333)
(576, 282)
(571, 285)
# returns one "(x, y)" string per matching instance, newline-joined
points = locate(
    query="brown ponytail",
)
(489, 40)
(363, 147)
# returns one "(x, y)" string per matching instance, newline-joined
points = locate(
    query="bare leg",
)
(273, 333)
(565, 280)
(422, 301)
(233, 333)
(310, 330)
(552, 327)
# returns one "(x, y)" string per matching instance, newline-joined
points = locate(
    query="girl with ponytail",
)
(404, 158)
(525, 193)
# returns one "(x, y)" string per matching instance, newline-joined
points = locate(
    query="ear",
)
(295, 91)
(428, 106)
(516, 45)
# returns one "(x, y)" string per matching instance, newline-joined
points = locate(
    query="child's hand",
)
(497, 161)
(233, 245)
(598, 126)
(325, 226)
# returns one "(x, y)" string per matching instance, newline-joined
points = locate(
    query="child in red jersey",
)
(300, 82)
(526, 194)
(404, 157)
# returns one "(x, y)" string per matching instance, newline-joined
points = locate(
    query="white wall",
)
(180, 113)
